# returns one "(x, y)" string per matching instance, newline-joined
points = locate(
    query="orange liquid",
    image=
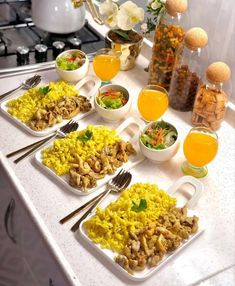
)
(106, 66)
(152, 104)
(200, 148)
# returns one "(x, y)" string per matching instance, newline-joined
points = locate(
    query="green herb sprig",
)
(86, 136)
(44, 89)
(139, 208)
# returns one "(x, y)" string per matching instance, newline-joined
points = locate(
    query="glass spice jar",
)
(168, 36)
(186, 75)
(211, 100)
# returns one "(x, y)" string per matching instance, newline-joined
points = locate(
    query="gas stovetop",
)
(22, 43)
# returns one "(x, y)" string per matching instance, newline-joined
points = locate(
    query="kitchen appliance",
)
(62, 17)
(23, 46)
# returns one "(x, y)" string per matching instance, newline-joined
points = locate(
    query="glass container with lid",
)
(186, 75)
(168, 36)
(211, 100)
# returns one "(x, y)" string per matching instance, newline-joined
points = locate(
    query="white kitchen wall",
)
(217, 17)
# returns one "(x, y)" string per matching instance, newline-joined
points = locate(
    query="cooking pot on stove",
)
(62, 16)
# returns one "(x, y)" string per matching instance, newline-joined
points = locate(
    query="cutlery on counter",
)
(27, 84)
(67, 128)
(120, 182)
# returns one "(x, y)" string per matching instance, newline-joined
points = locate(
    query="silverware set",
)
(27, 84)
(119, 183)
(69, 127)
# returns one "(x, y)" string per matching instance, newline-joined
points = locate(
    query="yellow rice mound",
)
(111, 227)
(62, 153)
(26, 105)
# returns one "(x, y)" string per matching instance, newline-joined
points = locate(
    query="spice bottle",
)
(186, 76)
(168, 36)
(211, 100)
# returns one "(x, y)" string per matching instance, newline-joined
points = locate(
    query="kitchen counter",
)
(208, 254)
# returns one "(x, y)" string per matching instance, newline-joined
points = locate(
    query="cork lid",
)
(196, 38)
(218, 72)
(176, 6)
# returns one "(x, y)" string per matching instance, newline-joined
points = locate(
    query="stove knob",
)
(22, 54)
(75, 43)
(58, 48)
(41, 52)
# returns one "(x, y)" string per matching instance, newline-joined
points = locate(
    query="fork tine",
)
(127, 181)
(64, 127)
(122, 179)
(116, 178)
(30, 80)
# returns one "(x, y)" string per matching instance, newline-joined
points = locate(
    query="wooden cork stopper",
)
(176, 6)
(218, 72)
(196, 38)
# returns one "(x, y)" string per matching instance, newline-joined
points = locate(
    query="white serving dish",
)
(146, 273)
(115, 114)
(79, 86)
(133, 161)
(159, 156)
(73, 75)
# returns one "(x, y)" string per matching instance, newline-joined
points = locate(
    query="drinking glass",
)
(152, 102)
(106, 64)
(200, 147)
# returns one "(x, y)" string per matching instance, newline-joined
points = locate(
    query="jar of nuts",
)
(168, 36)
(186, 75)
(211, 100)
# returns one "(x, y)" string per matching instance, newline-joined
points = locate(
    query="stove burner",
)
(41, 52)
(58, 47)
(75, 43)
(22, 54)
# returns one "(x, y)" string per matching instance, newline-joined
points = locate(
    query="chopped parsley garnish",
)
(86, 136)
(44, 89)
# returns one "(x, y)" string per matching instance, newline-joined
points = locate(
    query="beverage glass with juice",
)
(106, 65)
(152, 102)
(200, 147)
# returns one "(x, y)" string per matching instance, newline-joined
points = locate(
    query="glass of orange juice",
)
(106, 64)
(152, 102)
(200, 147)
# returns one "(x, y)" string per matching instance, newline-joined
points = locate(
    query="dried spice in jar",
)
(168, 36)
(186, 76)
(211, 100)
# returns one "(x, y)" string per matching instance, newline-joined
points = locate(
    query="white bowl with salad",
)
(112, 102)
(159, 141)
(72, 65)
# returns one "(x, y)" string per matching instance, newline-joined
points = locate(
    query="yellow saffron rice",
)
(62, 153)
(26, 105)
(111, 227)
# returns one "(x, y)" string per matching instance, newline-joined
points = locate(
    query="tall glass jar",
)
(211, 100)
(186, 75)
(168, 36)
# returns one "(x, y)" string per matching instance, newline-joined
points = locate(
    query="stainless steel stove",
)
(24, 46)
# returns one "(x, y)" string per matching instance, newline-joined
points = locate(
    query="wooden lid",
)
(196, 38)
(218, 72)
(176, 6)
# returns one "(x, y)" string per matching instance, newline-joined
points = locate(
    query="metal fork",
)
(117, 184)
(69, 127)
(27, 84)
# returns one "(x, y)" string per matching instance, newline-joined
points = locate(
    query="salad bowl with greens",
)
(72, 65)
(159, 141)
(112, 102)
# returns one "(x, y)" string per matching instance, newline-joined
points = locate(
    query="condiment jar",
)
(211, 100)
(168, 36)
(186, 76)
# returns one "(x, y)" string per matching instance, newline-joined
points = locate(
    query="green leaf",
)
(139, 208)
(86, 136)
(122, 34)
(44, 89)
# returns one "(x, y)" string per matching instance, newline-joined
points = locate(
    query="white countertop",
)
(210, 253)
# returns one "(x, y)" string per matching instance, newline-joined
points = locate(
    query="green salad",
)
(159, 135)
(70, 62)
(112, 99)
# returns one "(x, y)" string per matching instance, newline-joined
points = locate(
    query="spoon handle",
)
(10, 92)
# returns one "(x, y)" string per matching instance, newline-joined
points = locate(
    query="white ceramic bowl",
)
(74, 75)
(113, 114)
(159, 156)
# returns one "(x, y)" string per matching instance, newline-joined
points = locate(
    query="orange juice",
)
(106, 66)
(152, 104)
(200, 148)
